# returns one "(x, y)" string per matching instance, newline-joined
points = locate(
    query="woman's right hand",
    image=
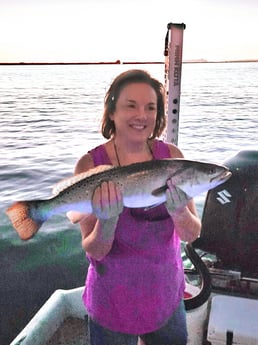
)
(98, 233)
(107, 201)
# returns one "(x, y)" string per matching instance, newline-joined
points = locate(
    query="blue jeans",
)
(174, 332)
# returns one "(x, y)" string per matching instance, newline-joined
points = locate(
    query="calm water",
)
(50, 116)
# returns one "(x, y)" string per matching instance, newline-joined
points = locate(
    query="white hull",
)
(65, 304)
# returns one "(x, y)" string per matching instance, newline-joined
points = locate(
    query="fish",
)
(142, 184)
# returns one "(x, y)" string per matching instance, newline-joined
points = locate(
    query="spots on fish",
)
(136, 181)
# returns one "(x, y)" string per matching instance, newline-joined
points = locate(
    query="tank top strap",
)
(160, 150)
(99, 155)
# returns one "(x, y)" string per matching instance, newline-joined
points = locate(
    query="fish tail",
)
(25, 218)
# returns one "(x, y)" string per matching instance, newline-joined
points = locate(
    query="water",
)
(50, 116)
(219, 110)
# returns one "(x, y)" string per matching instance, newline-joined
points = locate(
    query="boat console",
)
(228, 243)
(225, 255)
(230, 217)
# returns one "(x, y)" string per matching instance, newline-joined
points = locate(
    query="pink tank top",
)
(140, 283)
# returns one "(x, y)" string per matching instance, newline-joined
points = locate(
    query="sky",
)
(131, 30)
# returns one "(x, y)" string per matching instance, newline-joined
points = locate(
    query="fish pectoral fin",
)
(159, 191)
(67, 182)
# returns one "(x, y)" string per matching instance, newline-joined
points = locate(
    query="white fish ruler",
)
(173, 69)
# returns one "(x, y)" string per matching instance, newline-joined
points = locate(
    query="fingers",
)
(107, 201)
(75, 217)
(176, 197)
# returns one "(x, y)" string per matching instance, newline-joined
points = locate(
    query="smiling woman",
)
(118, 240)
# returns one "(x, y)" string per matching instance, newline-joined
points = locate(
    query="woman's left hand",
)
(182, 210)
(177, 199)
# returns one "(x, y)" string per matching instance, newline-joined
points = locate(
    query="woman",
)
(135, 280)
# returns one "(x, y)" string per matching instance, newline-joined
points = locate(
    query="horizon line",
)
(119, 62)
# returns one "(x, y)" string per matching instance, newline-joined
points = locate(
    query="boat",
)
(63, 320)
(221, 295)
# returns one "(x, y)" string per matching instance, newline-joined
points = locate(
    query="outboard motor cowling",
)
(230, 217)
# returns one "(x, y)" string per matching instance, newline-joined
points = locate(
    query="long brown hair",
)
(122, 80)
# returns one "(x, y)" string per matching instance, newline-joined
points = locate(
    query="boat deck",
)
(61, 321)
(73, 331)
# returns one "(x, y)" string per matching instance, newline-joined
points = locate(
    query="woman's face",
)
(136, 111)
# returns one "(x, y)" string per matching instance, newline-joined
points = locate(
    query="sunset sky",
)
(108, 30)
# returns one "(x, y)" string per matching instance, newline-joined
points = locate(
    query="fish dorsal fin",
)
(69, 181)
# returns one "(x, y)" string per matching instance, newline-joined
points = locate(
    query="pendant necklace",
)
(117, 157)
(116, 152)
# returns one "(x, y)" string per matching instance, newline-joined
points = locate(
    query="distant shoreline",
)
(118, 62)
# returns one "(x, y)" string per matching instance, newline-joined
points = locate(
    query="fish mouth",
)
(223, 176)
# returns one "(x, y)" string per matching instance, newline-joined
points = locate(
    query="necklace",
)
(116, 152)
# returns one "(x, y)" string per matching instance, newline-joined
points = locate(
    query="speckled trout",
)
(142, 185)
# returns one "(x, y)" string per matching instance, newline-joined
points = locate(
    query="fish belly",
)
(143, 200)
(83, 207)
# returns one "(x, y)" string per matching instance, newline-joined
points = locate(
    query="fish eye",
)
(212, 171)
